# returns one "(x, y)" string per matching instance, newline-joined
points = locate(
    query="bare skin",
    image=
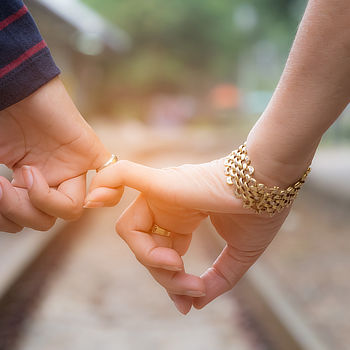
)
(313, 91)
(46, 134)
(178, 199)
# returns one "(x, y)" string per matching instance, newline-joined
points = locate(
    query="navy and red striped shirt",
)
(25, 61)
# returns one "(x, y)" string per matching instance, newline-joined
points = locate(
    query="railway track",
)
(270, 320)
(266, 319)
(29, 275)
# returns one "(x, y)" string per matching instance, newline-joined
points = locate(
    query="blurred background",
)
(164, 83)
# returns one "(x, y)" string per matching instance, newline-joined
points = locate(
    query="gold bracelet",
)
(257, 196)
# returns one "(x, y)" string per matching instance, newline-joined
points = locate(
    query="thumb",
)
(226, 271)
(105, 188)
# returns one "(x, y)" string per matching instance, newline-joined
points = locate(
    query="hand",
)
(178, 199)
(46, 134)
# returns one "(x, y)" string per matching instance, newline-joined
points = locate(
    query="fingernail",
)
(195, 293)
(171, 268)
(91, 204)
(27, 176)
(0, 191)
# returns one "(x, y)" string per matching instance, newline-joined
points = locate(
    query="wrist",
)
(277, 163)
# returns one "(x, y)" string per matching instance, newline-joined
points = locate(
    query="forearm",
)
(312, 92)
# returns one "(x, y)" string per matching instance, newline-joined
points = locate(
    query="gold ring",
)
(110, 161)
(160, 231)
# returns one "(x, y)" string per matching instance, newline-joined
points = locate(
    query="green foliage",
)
(189, 44)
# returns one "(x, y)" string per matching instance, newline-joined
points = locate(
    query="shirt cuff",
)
(27, 78)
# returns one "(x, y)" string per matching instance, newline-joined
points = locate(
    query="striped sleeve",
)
(25, 61)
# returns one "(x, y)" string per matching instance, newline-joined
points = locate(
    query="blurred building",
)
(83, 44)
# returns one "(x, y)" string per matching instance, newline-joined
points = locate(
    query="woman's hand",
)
(178, 199)
(46, 134)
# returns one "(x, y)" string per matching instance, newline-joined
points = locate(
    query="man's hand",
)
(46, 133)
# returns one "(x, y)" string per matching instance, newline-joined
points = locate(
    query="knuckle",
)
(74, 214)
(16, 229)
(149, 255)
(118, 195)
(39, 198)
(12, 229)
(244, 256)
(224, 276)
(121, 167)
(140, 260)
(45, 225)
(11, 209)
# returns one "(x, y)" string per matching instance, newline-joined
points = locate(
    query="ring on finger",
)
(156, 229)
(113, 159)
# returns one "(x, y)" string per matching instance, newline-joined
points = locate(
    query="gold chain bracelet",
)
(257, 196)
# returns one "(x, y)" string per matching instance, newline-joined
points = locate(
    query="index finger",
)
(134, 227)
